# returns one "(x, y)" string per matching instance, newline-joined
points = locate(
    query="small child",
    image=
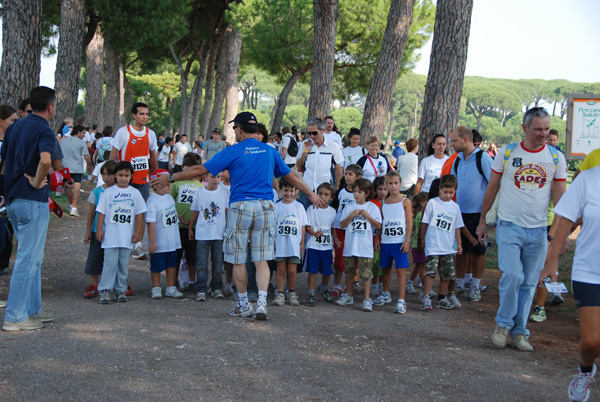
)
(443, 215)
(208, 220)
(290, 223)
(319, 245)
(381, 193)
(183, 193)
(124, 208)
(227, 288)
(395, 241)
(163, 239)
(418, 206)
(342, 198)
(359, 219)
(95, 259)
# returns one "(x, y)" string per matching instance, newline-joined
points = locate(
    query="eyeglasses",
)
(313, 132)
(234, 127)
(29, 111)
(534, 110)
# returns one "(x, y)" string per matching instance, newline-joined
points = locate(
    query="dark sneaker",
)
(121, 297)
(91, 292)
(310, 300)
(104, 297)
(326, 295)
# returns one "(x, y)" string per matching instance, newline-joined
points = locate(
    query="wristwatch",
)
(550, 238)
(171, 178)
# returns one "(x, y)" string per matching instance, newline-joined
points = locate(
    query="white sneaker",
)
(201, 297)
(400, 307)
(383, 299)
(452, 297)
(410, 288)
(279, 300)
(368, 305)
(74, 212)
(345, 300)
(261, 311)
(579, 389)
(156, 293)
(173, 292)
(293, 299)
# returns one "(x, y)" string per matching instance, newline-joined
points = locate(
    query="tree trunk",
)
(68, 60)
(183, 77)
(196, 95)
(321, 84)
(21, 49)
(284, 95)
(126, 114)
(414, 126)
(94, 63)
(208, 91)
(390, 129)
(446, 70)
(114, 104)
(232, 88)
(220, 82)
(388, 66)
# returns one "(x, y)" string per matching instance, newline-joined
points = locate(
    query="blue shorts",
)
(586, 294)
(316, 261)
(161, 261)
(390, 252)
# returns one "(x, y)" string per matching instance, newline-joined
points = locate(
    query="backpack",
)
(293, 148)
(104, 146)
(478, 157)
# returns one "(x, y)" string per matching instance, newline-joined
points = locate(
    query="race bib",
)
(443, 220)
(393, 228)
(325, 238)
(121, 212)
(169, 217)
(186, 194)
(288, 226)
(140, 163)
(358, 226)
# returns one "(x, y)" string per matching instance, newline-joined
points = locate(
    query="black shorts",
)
(77, 177)
(471, 222)
(187, 245)
(144, 189)
(586, 294)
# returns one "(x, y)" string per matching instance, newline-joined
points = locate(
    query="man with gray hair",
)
(318, 155)
(530, 172)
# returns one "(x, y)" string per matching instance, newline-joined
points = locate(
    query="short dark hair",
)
(328, 117)
(107, 132)
(24, 104)
(263, 130)
(41, 97)
(183, 135)
(477, 138)
(191, 159)
(364, 185)
(106, 155)
(124, 165)
(77, 129)
(168, 139)
(136, 105)
(449, 180)
(553, 132)
(248, 128)
(108, 167)
(353, 131)
(328, 187)
(283, 182)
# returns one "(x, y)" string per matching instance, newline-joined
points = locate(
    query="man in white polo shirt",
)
(318, 155)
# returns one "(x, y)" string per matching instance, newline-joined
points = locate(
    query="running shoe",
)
(556, 299)
(400, 307)
(129, 291)
(410, 288)
(383, 299)
(91, 292)
(538, 314)
(357, 288)
(279, 300)
(445, 304)
(375, 291)
(173, 292)
(121, 298)
(326, 295)
(474, 294)
(579, 389)
(74, 212)
(201, 297)
(227, 290)
(368, 305)
(293, 299)
(426, 303)
(310, 300)
(345, 300)
(454, 300)
(336, 293)
(104, 297)
(242, 311)
(261, 311)
(156, 293)
(217, 294)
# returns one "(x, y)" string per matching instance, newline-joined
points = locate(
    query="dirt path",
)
(182, 350)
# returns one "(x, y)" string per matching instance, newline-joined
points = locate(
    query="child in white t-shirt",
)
(360, 220)
(120, 225)
(319, 245)
(290, 223)
(208, 220)
(395, 241)
(163, 239)
(227, 288)
(440, 237)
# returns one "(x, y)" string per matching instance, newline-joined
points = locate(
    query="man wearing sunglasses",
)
(530, 173)
(318, 155)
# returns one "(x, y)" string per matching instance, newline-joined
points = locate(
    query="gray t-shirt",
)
(211, 148)
(74, 149)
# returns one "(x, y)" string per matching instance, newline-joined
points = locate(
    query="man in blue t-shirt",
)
(26, 158)
(397, 152)
(252, 166)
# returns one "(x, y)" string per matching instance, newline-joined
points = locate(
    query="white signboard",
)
(583, 125)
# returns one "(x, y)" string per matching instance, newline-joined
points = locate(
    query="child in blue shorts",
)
(319, 245)
(395, 235)
(163, 238)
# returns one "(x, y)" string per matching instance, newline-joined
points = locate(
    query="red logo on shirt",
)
(530, 177)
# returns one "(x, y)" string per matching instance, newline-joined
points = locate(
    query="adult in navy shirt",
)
(397, 152)
(252, 166)
(26, 159)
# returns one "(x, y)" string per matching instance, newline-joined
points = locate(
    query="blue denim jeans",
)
(521, 254)
(30, 223)
(203, 248)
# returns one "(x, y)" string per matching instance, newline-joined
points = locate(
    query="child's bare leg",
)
(291, 276)
(155, 279)
(401, 277)
(171, 276)
(312, 278)
(443, 288)
(386, 279)
(541, 294)
(349, 282)
(325, 280)
(95, 280)
(367, 287)
(422, 270)
(281, 268)
(427, 284)
(414, 272)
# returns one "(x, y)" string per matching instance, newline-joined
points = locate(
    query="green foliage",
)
(346, 118)
(295, 115)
